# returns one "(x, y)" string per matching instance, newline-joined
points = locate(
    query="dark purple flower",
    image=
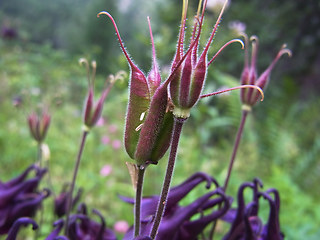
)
(81, 227)
(245, 222)
(24, 221)
(61, 201)
(19, 197)
(177, 223)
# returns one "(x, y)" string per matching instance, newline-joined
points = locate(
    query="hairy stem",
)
(231, 163)
(74, 177)
(137, 205)
(178, 124)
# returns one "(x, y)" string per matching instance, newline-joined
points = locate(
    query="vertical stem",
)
(39, 154)
(232, 159)
(75, 172)
(137, 204)
(235, 148)
(178, 124)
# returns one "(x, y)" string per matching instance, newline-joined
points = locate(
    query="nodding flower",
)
(92, 112)
(250, 97)
(183, 222)
(245, 221)
(150, 112)
(39, 125)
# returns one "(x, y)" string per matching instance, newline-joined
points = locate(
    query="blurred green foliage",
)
(281, 143)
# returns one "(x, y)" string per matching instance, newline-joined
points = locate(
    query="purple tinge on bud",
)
(24, 221)
(92, 112)
(177, 223)
(148, 124)
(188, 71)
(250, 96)
(19, 198)
(61, 201)
(39, 125)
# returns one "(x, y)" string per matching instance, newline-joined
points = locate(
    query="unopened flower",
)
(19, 197)
(39, 125)
(92, 112)
(179, 222)
(250, 97)
(149, 120)
(148, 123)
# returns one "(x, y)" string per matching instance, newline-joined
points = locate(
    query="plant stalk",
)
(74, 177)
(231, 163)
(178, 124)
(137, 204)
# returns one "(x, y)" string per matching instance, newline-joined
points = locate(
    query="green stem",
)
(178, 124)
(39, 154)
(137, 204)
(231, 163)
(75, 172)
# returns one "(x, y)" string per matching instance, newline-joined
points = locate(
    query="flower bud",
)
(148, 123)
(39, 125)
(249, 96)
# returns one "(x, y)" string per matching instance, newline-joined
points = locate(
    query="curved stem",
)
(232, 159)
(178, 124)
(75, 172)
(137, 204)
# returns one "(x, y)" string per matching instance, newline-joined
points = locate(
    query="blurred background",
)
(41, 42)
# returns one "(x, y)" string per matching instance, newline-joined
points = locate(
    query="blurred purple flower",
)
(245, 222)
(24, 221)
(105, 140)
(19, 197)
(116, 144)
(177, 223)
(121, 226)
(105, 170)
(61, 201)
(81, 227)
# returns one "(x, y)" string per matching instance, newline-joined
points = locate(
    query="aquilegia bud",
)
(148, 123)
(39, 125)
(92, 112)
(249, 97)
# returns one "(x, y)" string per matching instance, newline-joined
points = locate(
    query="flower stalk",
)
(177, 129)
(74, 177)
(137, 204)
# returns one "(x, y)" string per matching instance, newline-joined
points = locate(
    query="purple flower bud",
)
(249, 97)
(148, 122)
(92, 112)
(39, 125)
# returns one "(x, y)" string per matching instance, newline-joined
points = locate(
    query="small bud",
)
(39, 125)
(250, 97)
